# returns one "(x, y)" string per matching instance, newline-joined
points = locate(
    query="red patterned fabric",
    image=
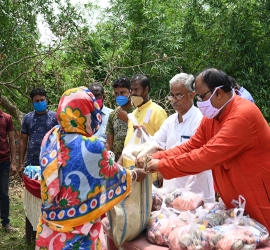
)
(32, 186)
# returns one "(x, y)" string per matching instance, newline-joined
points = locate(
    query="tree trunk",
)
(12, 109)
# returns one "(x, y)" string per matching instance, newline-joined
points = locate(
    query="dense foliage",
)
(157, 38)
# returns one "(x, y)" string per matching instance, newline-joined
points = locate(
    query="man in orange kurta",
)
(233, 140)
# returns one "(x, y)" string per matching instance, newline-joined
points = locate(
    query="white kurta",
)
(173, 133)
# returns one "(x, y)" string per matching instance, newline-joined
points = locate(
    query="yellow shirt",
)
(151, 116)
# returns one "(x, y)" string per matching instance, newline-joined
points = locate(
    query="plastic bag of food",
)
(234, 236)
(140, 143)
(259, 231)
(157, 197)
(214, 206)
(191, 237)
(183, 199)
(160, 224)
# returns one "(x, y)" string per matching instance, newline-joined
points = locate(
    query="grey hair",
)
(186, 79)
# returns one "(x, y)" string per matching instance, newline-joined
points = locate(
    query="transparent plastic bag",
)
(157, 197)
(191, 236)
(160, 224)
(139, 145)
(259, 231)
(234, 236)
(183, 199)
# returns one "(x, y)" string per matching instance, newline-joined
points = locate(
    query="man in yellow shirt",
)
(147, 113)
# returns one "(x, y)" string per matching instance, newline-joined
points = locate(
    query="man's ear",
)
(219, 93)
(147, 89)
(191, 94)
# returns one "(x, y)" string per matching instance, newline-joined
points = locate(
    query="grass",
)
(15, 241)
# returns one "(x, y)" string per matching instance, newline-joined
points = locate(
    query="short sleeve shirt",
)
(118, 129)
(6, 125)
(245, 94)
(36, 126)
(151, 116)
(101, 133)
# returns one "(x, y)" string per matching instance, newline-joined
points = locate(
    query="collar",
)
(41, 113)
(188, 114)
(104, 110)
(241, 89)
(1, 112)
(145, 105)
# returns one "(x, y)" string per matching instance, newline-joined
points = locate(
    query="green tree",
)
(24, 61)
(157, 38)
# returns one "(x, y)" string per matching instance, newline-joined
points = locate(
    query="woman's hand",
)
(142, 161)
(141, 174)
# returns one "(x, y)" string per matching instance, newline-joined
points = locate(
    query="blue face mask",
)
(121, 100)
(40, 106)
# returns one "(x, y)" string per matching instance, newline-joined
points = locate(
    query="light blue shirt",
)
(101, 133)
(245, 94)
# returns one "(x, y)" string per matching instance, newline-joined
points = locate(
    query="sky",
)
(45, 32)
(101, 3)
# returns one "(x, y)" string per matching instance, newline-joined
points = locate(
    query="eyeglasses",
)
(200, 97)
(177, 97)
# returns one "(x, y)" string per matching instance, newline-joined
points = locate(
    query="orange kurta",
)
(237, 149)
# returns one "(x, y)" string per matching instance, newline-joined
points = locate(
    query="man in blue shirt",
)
(241, 91)
(34, 127)
(98, 91)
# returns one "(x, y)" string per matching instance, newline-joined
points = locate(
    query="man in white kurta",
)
(178, 128)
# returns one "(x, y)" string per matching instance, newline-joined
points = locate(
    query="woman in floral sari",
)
(80, 181)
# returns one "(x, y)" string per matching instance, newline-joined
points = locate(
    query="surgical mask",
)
(121, 100)
(207, 108)
(100, 102)
(40, 106)
(136, 100)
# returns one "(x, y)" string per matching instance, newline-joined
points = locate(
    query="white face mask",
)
(207, 108)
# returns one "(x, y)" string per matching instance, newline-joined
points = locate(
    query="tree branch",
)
(12, 109)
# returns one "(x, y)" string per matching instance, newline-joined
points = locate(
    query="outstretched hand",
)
(152, 166)
(160, 149)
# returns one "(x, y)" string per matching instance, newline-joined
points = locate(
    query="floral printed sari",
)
(80, 181)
